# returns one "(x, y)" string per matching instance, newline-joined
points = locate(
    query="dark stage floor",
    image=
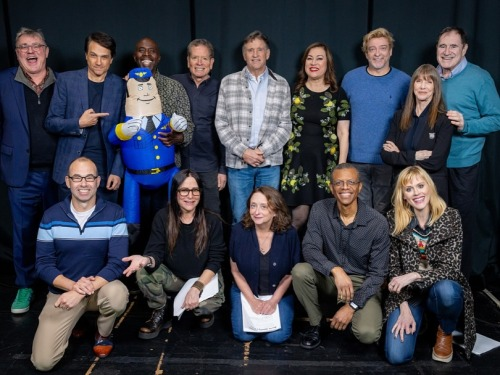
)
(187, 349)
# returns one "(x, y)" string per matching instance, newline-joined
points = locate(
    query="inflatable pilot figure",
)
(149, 163)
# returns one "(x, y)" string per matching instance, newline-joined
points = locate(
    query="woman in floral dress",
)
(320, 136)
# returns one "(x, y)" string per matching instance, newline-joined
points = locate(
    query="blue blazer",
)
(14, 130)
(244, 251)
(70, 100)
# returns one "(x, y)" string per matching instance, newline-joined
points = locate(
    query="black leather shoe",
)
(311, 338)
(152, 327)
(206, 321)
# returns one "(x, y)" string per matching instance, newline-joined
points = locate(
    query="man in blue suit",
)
(86, 105)
(27, 153)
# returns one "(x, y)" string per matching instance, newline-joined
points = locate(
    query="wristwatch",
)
(354, 306)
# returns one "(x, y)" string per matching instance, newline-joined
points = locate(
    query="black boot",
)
(311, 338)
(152, 327)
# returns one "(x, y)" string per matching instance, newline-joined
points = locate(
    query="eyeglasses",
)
(185, 192)
(78, 178)
(340, 183)
(35, 47)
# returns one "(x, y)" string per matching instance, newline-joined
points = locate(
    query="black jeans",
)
(463, 187)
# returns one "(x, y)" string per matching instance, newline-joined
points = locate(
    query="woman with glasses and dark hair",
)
(186, 242)
(264, 247)
(424, 270)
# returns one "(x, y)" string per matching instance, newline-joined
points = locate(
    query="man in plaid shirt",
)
(253, 123)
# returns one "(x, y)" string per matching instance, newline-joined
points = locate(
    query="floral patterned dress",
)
(313, 149)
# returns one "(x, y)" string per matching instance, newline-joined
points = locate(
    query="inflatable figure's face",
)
(143, 98)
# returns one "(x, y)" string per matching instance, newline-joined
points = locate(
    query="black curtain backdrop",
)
(291, 25)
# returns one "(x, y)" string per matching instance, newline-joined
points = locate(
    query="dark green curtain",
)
(291, 25)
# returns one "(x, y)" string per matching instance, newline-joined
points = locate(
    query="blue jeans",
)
(27, 204)
(445, 300)
(241, 183)
(276, 337)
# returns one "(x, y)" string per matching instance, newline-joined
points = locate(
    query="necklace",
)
(264, 245)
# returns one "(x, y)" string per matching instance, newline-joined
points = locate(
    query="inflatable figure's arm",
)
(124, 131)
(178, 123)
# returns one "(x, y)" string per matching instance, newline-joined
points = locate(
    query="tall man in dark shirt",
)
(172, 95)
(205, 153)
(346, 249)
(87, 104)
(27, 152)
(173, 100)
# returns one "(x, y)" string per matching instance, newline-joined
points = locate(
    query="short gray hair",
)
(30, 32)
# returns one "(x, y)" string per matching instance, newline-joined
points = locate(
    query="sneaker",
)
(22, 302)
(103, 345)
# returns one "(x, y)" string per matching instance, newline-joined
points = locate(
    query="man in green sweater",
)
(474, 109)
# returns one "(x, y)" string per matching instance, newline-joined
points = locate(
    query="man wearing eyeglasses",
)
(80, 244)
(87, 104)
(27, 153)
(346, 249)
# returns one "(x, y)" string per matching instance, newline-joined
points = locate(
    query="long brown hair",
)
(330, 78)
(174, 214)
(436, 106)
(403, 212)
(282, 219)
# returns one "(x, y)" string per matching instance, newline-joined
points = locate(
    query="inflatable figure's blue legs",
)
(131, 199)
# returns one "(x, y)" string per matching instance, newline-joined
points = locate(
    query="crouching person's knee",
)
(398, 357)
(367, 334)
(301, 272)
(43, 364)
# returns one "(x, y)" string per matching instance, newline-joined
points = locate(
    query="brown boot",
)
(443, 349)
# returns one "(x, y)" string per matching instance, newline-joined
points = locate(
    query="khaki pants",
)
(155, 286)
(307, 284)
(55, 324)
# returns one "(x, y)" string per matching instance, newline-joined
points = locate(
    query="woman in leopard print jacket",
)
(424, 273)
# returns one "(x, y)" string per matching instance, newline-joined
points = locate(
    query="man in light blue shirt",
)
(474, 109)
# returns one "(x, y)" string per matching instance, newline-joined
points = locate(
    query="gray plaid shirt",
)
(233, 119)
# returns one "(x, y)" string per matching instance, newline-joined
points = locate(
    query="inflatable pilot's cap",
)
(140, 74)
